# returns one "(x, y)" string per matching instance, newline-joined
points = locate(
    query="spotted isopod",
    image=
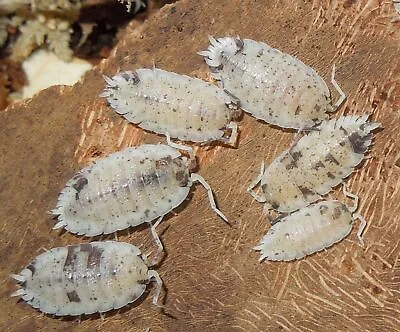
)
(168, 103)
(272, 86)
(309, 230)
(125, 189)
(86, 278)
(315, 164)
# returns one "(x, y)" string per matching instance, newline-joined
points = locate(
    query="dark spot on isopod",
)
(146, 213)
(163, 161)
(80, 183)
(143, 281)
(94, 256)
(182, 177)
(32, 268)
(291, 165)
(149, 178)
(133, 77)
(275, 205)
(344, 130)
(240, 45)
(357, 142)
(71, 257)
(318, 165)
(336, 213)
(73, 296)
(296, 155)
(344, 207)
(298, 110)
(216, 69)
(330, 175)
(329, 157)
(306, 191)
(323, 209)
(317, 108)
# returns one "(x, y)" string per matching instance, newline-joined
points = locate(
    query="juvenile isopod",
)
(86, 278)
(178, 105)
(309, 230)
(315, 164)
(127, 188)
(272, 86)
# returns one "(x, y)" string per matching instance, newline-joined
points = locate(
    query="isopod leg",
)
(18, 278)
(259, 198)
(60, 224)
(232, 139)
(19, 292)
(160, 246)
(270, 218)
(352, 196)
(363, 224)
(338, 89)
(196, 177)
(180, 147)
(155, 275)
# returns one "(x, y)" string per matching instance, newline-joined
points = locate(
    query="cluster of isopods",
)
(144, 183)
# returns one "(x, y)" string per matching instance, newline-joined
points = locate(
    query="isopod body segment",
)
(86, 278)
(270, 85)
(168, 103)
(309, 230)
(127, 188)
(314, 165)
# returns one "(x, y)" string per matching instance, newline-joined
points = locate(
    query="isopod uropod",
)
(86, 278)
(168, 103)
(315, 164)
(309, 230)
(272, 86)
(126, 189)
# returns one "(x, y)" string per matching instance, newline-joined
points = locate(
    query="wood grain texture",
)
(214, 280)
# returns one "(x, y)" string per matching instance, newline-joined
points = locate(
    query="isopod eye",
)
(80, 183)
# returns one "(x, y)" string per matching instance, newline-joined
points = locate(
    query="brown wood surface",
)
(214, 279)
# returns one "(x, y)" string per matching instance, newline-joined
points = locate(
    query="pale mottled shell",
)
(85, 278)
(317, 163)
(306, 231)
(125, 189)
(167, 103)
(272, 86)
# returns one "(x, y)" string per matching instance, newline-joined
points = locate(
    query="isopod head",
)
(219, 49)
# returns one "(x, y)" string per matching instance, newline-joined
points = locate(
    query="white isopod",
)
(86, 278)
(272, 86)
(167, 103)
(126, 189)
(309, 230)
(315, 164)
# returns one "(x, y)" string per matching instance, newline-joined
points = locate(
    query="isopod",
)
(168, 103)
(272, 86)
(86, 278)
(309, 230)
(127, 188)
(315, 164)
